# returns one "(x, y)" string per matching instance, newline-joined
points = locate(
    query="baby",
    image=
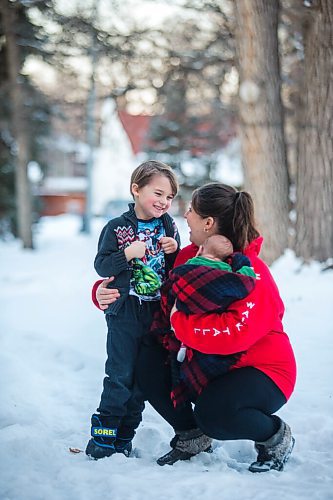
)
(209, 282)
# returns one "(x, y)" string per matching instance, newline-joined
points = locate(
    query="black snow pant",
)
(236, 405)
(121, 398)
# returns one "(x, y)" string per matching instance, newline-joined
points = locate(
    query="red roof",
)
(208, 138)
(136, 127)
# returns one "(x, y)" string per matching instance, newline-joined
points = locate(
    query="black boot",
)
(275, 452)
(125, 435)
(186, 444)
(124, 446)
(104, 433)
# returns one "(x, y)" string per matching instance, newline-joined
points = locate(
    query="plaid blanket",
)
(198, 289)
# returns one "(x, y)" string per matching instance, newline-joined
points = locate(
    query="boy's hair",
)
(144, 172)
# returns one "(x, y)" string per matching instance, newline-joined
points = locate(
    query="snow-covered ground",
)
(52, 364)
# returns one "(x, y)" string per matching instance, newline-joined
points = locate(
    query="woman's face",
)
(198, 227)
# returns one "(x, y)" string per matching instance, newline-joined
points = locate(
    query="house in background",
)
(137, 128)
(63, 195)
(123, 140)
(63, 190)
(114, 161)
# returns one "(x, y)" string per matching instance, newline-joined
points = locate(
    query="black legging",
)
(237, 405)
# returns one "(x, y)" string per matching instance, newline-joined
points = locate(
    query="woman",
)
(239, 404)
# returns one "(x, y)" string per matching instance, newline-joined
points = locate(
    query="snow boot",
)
(125, 435)
(275, 452)
(103, 432)
(186, 444)
(123, 445)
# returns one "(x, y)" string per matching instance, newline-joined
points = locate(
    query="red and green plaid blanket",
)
(198, 289)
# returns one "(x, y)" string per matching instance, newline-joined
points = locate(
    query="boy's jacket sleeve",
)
(109, 261)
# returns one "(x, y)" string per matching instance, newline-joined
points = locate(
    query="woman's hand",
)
(169, 245)
(106, 296)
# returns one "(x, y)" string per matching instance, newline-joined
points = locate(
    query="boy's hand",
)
(169, 245)
(136, 249)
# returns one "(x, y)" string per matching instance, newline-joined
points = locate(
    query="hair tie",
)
(237, 195)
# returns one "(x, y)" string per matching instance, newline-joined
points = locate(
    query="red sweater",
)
(253, 324)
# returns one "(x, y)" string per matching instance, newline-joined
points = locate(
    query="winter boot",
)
(124, 446)
(274, 453)
(104, 435)
(186, 444)
(125, 435)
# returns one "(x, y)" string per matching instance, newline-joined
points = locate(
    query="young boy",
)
(148, 233)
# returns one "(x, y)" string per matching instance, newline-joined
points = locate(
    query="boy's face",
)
(153, 199)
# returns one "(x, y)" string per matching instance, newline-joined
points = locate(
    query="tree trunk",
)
(261, 116)
(314, 204)
(20, 128)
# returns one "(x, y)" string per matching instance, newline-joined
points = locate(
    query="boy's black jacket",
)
(110, 259)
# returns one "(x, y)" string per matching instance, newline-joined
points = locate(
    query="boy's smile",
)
(153, 199)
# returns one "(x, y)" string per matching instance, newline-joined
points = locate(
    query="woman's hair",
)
(143, 173)
(232, 210)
